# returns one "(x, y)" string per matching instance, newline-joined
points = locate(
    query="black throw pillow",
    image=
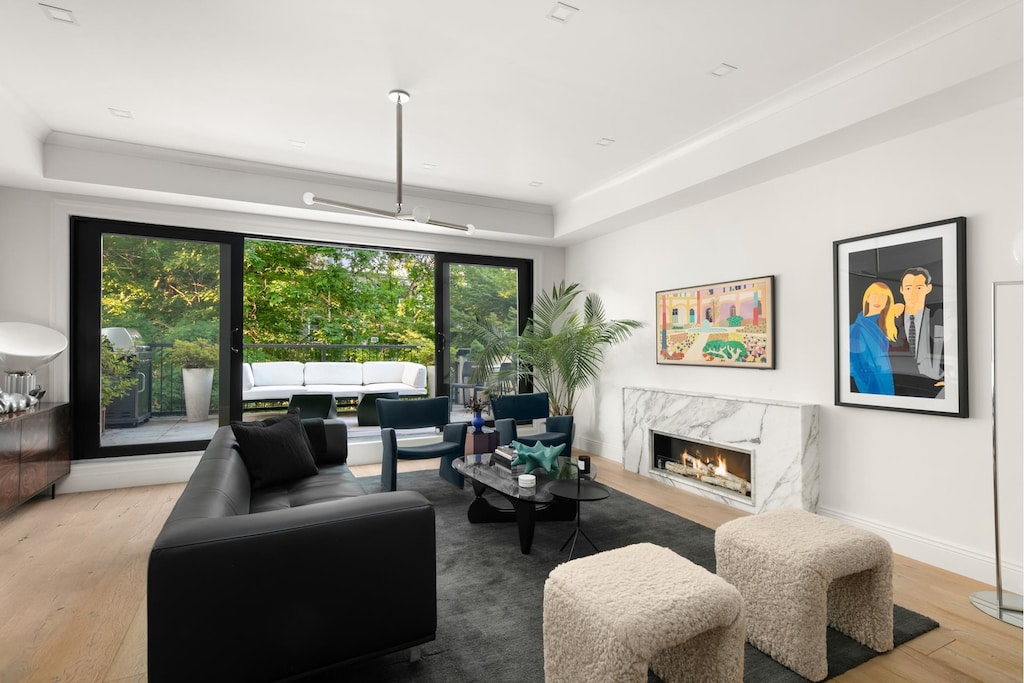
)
(275, 451)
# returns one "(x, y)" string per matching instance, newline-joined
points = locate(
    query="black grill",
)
(136, 406)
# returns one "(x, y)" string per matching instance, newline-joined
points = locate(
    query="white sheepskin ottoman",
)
(799, 572)
(610, 616)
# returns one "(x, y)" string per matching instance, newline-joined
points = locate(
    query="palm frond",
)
(561, 349)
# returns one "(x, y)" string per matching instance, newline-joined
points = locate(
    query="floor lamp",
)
(1002, 605)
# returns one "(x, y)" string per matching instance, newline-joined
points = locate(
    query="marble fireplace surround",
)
(782, 436)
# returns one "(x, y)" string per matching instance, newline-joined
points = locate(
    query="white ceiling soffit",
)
(504, 123)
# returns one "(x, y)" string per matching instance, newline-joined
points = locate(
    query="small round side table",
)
(579, 490)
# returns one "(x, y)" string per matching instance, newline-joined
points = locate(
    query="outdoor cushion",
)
(383, 387)
(333, 373)
(248, 381)
(285, 373)
(275, 391)
(413, 374)
(339, 390)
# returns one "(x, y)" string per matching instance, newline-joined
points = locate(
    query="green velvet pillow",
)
(275, 451)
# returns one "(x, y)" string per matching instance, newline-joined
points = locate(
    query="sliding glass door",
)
(475, 290)
(157, 336)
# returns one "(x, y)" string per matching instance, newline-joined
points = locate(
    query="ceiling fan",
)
(419, 214)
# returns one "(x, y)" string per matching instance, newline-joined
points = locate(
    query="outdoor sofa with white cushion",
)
(280, 380)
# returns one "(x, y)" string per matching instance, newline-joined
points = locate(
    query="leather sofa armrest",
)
(322, 583)
(337, 443)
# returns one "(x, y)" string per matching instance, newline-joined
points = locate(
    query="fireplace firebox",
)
(724, 469)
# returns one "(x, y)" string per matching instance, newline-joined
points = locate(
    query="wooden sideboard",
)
(35, 451)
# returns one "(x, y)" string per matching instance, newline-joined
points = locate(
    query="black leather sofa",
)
(290, 581)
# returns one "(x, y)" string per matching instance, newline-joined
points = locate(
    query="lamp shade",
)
(24, 347)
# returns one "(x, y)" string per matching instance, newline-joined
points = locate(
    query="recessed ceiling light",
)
(120, 113)
(58, 13)
(562, 12)
(535, 183)
(604, 142)
(722, 69)
(429, 167)
(297, 143)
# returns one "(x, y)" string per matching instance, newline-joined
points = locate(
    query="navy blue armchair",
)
(396, 414)
(515, 408)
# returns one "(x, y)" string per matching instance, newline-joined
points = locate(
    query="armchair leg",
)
(389, 460)
(448, 473)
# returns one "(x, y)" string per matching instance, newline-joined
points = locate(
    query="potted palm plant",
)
(197, 360)
(560, 349)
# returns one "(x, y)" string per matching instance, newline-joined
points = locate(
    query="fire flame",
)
(720, 469)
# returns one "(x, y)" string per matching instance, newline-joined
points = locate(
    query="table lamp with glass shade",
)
(24, 348)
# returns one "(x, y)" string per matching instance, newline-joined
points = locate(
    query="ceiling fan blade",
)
(310, 199)
(469, 228)
(440, 224)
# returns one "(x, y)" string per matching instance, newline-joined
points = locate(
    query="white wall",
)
(923, 481)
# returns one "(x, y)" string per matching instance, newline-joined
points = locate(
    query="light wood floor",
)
(73, 588)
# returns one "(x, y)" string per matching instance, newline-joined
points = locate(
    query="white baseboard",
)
(957, 559)
(127, 471)
(933, 551)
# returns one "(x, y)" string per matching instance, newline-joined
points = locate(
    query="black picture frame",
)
(723, 324)
(891, 288)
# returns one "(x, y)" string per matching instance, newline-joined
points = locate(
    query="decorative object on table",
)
(477, 406)
(537, 456)
(527, 481)
(15, 403)
(901, 319)
(24, 348)
(561, 351)
(197, 360)
(583, 463)
(504, 456)
(726, 324)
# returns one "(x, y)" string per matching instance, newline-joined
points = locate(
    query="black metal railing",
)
(305, 353)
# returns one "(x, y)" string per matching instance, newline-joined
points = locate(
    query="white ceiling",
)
(502, 96)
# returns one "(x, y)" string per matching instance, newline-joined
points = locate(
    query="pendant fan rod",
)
(420, 214)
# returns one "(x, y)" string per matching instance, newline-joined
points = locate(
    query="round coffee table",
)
(578, 490)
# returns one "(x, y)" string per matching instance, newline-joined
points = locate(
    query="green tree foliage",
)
(481, 295)
(300, 293)
(166, 289)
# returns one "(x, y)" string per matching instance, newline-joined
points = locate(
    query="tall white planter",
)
(198, 384)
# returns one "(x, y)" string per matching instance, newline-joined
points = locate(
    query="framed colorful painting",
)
(726, 324)
(901, 319)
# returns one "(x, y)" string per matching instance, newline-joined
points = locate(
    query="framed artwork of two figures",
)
(901, 319)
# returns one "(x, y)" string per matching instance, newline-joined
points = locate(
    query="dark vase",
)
(478, 422)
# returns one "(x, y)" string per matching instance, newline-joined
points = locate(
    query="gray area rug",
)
(490, 596)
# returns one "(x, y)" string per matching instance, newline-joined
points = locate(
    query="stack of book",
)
(504, 457)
